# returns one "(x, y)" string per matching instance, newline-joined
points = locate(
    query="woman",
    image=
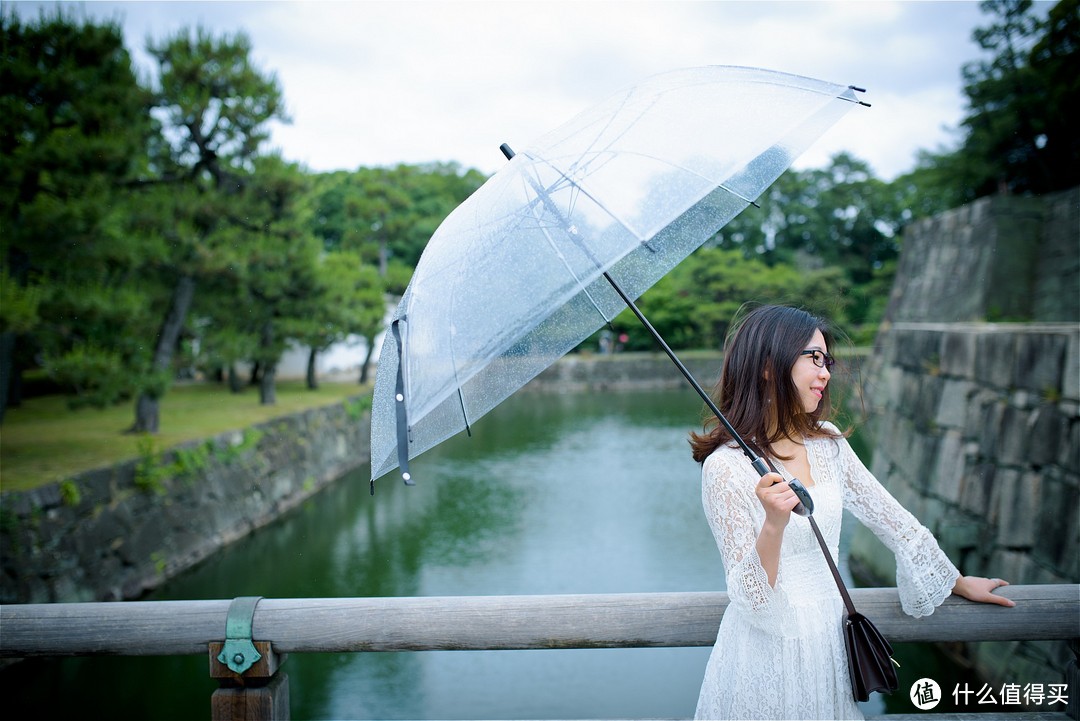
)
(780, 650)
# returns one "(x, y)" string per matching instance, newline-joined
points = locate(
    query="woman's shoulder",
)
(726, 473)
(829, 432)
(829, 429)
(726, 457)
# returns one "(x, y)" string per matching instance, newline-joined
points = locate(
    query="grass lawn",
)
(43, 440)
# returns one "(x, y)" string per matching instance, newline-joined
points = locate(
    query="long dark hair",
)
(759, 352)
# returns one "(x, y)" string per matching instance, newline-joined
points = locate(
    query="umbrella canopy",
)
(556, 243)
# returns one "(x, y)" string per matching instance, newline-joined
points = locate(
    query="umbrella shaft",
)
(757, 463)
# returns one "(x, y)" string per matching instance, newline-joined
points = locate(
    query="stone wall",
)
(115, 533)
(977, 432)
(976, 427)
(997, 259)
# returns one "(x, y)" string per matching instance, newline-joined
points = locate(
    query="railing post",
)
(251, 687)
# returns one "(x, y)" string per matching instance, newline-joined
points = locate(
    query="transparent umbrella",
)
(573, 229)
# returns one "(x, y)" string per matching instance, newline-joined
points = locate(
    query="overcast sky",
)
(372, 83)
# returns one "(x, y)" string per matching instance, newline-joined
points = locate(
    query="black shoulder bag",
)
(870, 662)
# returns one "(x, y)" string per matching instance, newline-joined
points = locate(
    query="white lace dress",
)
(779, 653)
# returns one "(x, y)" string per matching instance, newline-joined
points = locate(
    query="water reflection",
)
(582, 493)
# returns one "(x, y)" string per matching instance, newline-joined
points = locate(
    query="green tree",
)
(1055, 59)
(694, 304)
(389, 214)
(347, 301)
(1019, 132)
(262, 272)
(215, 107)
(840, 218)
(73, 128)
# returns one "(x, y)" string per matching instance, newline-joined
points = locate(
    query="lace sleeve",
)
(735, 516)
(924, 574)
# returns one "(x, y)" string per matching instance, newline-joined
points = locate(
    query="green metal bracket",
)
(239, 653)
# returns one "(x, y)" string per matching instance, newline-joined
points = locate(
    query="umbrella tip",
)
(506, 150)
(407, 477)
(857, 89)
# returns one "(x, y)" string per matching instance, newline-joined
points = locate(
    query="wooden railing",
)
(283, 626)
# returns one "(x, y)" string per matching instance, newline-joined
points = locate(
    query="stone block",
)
(1014, 441)
(1071, 381)
(930, 511)
(1017, 504)
(1040, 362)
(978, 489)
(1058, 280)
(958, 352)
(915, 462)
(984, 422)
(1047, 427)
(924, 352)
(1013, 566)
(957, 532)
(952, 409)
(120, 540)
(908, 404)
(887, 395)
(1069, 449)
(949, 464)
(929, 397)
(994, 359)
(881, 466)
(1057, 543)
(907, 496)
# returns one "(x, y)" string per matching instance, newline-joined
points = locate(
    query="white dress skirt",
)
(779, 653)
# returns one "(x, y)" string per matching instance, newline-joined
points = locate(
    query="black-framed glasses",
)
(821, 358)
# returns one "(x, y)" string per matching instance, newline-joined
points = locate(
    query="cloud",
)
(410, 81)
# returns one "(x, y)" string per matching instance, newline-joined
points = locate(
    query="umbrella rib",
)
(547, 202)
(662, 161)
(618, 136)
(545, 229)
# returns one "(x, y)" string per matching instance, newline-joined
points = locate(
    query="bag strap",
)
(832, 567)
(821, 542)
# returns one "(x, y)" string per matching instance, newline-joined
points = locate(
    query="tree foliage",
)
(1019, 133)
(148, 234)
(387, 215)
(73, 128)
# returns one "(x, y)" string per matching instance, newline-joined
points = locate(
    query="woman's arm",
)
(921, 565)
(736, 519)
(924, 574)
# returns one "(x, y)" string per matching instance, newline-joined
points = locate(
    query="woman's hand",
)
(777, 499)
(976, 588)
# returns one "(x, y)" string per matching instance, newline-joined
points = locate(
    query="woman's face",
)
(809, 379)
